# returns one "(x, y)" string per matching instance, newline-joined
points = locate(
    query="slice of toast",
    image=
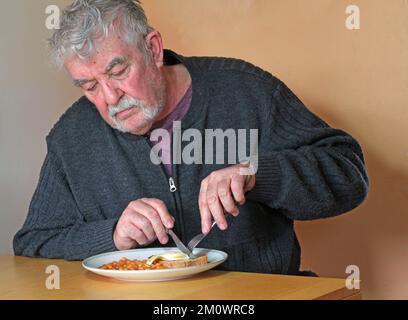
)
(185, 263)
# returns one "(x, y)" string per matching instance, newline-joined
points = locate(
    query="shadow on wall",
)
(373, 236)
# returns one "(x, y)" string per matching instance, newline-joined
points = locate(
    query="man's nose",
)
(111, 94)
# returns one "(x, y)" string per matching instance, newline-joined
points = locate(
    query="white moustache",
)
(124, 104)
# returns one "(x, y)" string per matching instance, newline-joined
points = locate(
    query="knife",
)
(180, 245)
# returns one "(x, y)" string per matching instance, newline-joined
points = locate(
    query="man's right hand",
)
(142, 222)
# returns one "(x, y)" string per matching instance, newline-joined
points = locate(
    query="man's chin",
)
(133, 121)
(137, 129)
(141, 131)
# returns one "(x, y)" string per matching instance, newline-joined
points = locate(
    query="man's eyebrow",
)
(81, 82)
(115, 62)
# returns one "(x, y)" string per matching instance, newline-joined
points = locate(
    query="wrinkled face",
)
(128, 92)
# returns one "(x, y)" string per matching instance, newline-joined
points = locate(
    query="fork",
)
(198, 238)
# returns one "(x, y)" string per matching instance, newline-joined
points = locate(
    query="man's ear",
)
(154, 43)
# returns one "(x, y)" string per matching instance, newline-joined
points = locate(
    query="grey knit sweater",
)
(91, 172)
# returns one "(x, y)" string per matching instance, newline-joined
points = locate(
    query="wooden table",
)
(25, 278)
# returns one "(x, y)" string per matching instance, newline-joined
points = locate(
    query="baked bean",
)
(126, 264)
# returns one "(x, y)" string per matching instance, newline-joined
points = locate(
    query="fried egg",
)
(169, 256)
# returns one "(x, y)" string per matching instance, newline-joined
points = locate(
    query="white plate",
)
(93, 263)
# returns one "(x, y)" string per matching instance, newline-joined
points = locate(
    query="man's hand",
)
(142, 222)
(219, 194)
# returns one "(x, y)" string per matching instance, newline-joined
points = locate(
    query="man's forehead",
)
(104, 63)
(99, 62)
(107, 53)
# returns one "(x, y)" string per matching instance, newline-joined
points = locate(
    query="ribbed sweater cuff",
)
(268, 180)
(99, 239)
(103, 237)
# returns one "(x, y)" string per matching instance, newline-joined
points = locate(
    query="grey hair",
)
(85, 21)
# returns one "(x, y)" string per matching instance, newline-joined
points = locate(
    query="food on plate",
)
(126, 265)
(164, 261)
(178, 261)
(168, 256)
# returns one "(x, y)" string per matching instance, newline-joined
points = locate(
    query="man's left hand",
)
(220, 193)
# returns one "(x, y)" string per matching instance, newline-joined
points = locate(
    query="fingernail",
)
(170, 223)
(223, 226)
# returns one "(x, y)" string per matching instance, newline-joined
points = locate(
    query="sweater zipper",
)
(173, 190)
(172, 184)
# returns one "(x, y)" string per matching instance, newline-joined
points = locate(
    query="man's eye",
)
(120, 73)
(91, 88)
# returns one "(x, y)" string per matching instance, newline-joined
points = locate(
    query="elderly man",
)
(100, 191)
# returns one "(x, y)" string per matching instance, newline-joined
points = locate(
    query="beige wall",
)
(32, 97)
(355, 80)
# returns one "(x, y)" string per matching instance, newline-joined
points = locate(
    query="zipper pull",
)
(172, 185)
